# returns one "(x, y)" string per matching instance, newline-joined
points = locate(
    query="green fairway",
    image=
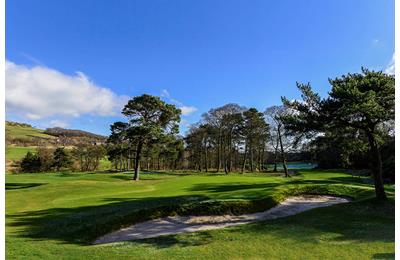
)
(57, 216)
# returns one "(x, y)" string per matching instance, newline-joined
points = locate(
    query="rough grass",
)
(58, 215)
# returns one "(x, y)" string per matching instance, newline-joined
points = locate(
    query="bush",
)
(46, 158)
(31, 163)
(61, 159)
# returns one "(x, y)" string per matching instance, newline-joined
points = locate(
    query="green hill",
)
(21, 131)
(21, 138)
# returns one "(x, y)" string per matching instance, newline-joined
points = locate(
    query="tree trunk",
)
(219, 152)
(283, 153)
(137, 161)
(225, 159)
(376, 167)
(244, 159)
(251, 157)
(230, 148)
(205, 158)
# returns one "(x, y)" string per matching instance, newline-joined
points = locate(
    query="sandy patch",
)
(181, 224)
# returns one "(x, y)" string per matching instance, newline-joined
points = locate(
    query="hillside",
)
(58, 131)
(21, 134)
(21, 138)
(18, 133)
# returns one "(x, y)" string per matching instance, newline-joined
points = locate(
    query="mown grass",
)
(58, 215)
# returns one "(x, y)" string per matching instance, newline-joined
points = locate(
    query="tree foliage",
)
(149, 120)
(363, 101)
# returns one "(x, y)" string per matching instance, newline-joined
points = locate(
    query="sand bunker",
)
(181, 224)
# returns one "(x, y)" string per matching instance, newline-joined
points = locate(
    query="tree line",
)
(83, 157)
(356, 118)
(353, 127)
(228, 138)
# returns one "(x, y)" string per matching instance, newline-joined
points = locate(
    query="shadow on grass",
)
(190, 239)
(364, 221)
(17, 186)
(217, 188)
(82, 225)
(384, 256)
(344, 180)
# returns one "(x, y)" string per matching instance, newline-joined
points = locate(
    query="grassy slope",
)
(14, 153)
(54, 215)
(15, 131)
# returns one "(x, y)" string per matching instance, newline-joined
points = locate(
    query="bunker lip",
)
(182, 224)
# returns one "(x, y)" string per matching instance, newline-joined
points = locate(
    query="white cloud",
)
(390, 69)
(58, 123)
(41, 92)
(186, 110)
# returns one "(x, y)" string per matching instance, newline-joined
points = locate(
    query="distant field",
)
(57, 216)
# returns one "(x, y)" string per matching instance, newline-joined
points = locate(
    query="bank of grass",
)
(16, 153)
(58, 215)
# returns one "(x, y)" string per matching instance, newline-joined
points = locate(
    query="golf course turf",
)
(58, 215)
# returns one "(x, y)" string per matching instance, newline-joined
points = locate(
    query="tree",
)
(119, 146)
(88, 156)
(362, 101)
(61, 159)
(30, 163)
(45, 156)
(215, 120)
(281, 139)
(149, 119)
(255, 132)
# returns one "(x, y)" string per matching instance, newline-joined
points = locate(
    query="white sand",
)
(181, 224)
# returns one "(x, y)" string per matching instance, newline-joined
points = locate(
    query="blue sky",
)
(196, 54)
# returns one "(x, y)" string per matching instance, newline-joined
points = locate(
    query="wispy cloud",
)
(58, 123)
(165, 93)
(32, 59)
(390, 68)
(40, 92)
(186, 110)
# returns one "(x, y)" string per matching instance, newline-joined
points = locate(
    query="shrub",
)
(61, 159)
(31, 163)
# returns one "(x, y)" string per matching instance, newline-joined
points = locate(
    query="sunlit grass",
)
(57, 215)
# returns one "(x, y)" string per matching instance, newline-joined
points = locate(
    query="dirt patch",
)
(181, 224)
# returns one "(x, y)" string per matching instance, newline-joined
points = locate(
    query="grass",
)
(58, 215)
(25, 132)
(16, 153)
